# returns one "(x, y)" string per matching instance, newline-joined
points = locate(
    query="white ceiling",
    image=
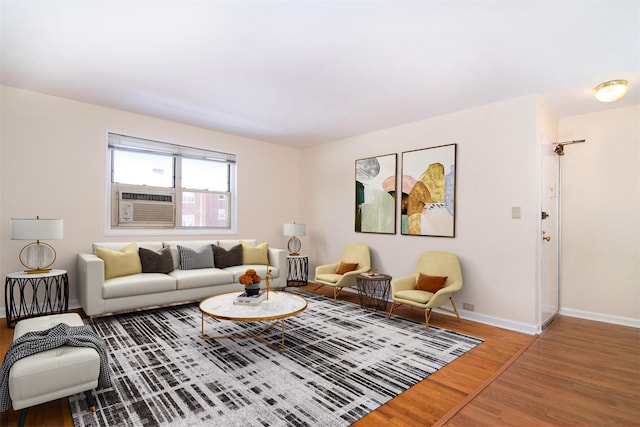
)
(300, 73)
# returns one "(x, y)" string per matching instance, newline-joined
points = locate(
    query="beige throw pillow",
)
(124, 262)
(258, 254)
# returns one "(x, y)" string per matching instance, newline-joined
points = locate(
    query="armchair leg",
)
(427, 316)
(455, 310)
(393, 305)
(336, 292)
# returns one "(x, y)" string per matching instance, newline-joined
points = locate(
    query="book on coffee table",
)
(244, 299)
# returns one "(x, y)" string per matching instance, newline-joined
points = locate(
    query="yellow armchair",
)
(403, 289)
(327, 275)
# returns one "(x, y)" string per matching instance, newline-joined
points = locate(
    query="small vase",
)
(253, 289)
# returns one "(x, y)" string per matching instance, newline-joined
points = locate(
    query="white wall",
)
(497, 168)
(52, 164)
(601, 216)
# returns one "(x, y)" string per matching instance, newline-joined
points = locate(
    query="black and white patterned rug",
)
(340, 363)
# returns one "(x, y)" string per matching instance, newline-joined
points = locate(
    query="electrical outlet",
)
(468, 307)
(516, 213)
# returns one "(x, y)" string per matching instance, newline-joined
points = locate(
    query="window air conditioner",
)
(139, 208)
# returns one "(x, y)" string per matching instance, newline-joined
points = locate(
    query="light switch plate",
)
(515, 212)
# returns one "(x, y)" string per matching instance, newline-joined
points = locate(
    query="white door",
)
(550, 235)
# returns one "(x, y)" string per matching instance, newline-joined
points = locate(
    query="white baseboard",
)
(524, 328)
(487, 320)
(600, 317)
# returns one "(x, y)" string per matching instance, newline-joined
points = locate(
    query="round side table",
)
(297, 270)
(373, 290)
(30, 295)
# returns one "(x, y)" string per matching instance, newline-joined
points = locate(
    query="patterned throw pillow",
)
(191, 259)
(156, 262)
(345, 267)
(223, 258)
(124, 262)
(430, 283)
(255, 254)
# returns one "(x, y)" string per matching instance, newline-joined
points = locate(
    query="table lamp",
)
(37, 256)
(294, 245)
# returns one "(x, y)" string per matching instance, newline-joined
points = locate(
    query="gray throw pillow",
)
(156, 262)
(227, 258)
(191, 259)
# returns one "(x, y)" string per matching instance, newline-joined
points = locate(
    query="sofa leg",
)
(23, 416)
(91, 400)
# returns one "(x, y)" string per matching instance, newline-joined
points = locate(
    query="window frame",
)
(177, 152)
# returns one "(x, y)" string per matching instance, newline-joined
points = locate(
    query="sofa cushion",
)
(239, 270)
(138, 284)
(229, 243)
(223, 258)
(116, 246)
(255, 254)
(430, 283)
(123, 262)
(193, 244)
(188, 279)
(192, 259)
(156, 261)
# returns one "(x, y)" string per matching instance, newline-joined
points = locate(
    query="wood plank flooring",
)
(576, 373)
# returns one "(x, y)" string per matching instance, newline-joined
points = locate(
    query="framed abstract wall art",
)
(375, 202)
(429, 191)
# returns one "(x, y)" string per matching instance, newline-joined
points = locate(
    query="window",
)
(156, 185)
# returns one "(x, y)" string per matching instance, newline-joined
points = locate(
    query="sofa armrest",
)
(278, 259)
(90, 269)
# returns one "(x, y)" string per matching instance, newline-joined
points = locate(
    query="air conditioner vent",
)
(145, 209)
(147, 197)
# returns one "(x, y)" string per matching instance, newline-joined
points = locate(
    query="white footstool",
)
(52, 374)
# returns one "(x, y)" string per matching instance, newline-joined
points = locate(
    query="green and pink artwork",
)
(428, 191)
(375, 210)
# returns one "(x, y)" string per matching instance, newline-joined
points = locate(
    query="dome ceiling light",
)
(611, 91)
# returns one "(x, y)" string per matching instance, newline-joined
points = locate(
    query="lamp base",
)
(38, 271)
(37, 257)
(294, 245)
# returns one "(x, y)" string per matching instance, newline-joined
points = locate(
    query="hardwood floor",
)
(577, 372)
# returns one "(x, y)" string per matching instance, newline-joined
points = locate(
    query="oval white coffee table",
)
(278, 307)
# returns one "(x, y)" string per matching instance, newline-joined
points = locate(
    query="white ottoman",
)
(54, 373)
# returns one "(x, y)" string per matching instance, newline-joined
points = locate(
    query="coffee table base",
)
(256, 335)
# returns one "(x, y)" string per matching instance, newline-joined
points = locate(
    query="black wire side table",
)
(297, 270)
(373, 290)
(31, 295)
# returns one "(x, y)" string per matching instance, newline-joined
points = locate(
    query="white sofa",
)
(145, 290)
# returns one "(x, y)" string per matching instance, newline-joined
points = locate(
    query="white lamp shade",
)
(294, 229)
(36, 229)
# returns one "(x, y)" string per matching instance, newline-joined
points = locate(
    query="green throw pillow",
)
(124, 262)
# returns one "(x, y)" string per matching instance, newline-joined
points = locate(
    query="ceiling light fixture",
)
(611, 91)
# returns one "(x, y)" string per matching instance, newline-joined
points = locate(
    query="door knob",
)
(546, 238)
